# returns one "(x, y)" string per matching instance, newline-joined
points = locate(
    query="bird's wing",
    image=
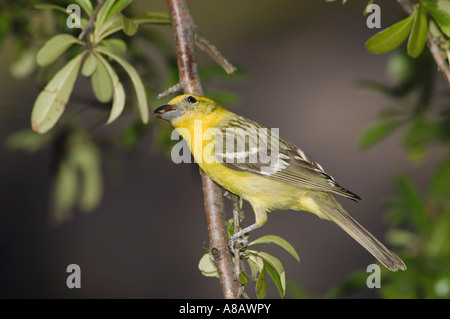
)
(245, 145)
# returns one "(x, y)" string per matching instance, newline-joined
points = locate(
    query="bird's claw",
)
(242, 242)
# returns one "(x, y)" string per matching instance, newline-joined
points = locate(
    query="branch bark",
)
(185, 31)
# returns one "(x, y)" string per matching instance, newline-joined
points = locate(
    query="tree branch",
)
(90, 24)
(214, 53)
(185, 29)
(408, 7)
(172, 90)
(238, 215)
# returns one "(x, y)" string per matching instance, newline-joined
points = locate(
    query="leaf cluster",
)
(76, 146)
(260, 264)
(97, 51)
(419, 219)
(415, 27)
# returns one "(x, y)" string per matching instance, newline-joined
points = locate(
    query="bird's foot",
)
(238, 237)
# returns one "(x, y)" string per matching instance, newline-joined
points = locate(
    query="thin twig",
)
(90, 24)
(173, 89)
(236, 248)
(407, 6)
(214, 53)
(184, 28)
(237, 217)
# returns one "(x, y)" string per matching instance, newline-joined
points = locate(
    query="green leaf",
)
(419, 136)
(440, 183)
(422, 132)
(275, 270)
(439, 240)
(417, 154)
(87, 158)
(244, 279)
(378, 131)
(65, 191)
(441, 17)
(137, 82)
(401, 238)
(400, 66)
(261, 285)
(413, 203)
(152, 18)
(115, 46)
(84, 22)
(89, 65)
(51, 102)
(54, 47)
(102, 83)
(256, 264)
(24, 64)
(280, 281)
(48, 6)
(272, 239)
(27, 141)
(119, 6)
(103, 13)
(129, 27)
(207, 267)
(119, 92)
(418, 37)
(390, 38)
(112, 25)
(86, 5)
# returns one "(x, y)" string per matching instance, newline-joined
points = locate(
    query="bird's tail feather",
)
(337, 214)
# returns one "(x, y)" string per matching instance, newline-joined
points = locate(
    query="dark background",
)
(302, 61)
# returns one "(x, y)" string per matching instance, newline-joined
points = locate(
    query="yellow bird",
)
(263, 169)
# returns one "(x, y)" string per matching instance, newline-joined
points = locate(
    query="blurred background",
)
(300, 65)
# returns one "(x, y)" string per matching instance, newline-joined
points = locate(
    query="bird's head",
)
(186, 106)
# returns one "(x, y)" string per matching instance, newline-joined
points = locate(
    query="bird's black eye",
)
(191, 99)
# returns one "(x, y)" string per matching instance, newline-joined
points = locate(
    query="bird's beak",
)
(167, 112)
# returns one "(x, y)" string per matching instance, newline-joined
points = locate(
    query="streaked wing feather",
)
(293, 165)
